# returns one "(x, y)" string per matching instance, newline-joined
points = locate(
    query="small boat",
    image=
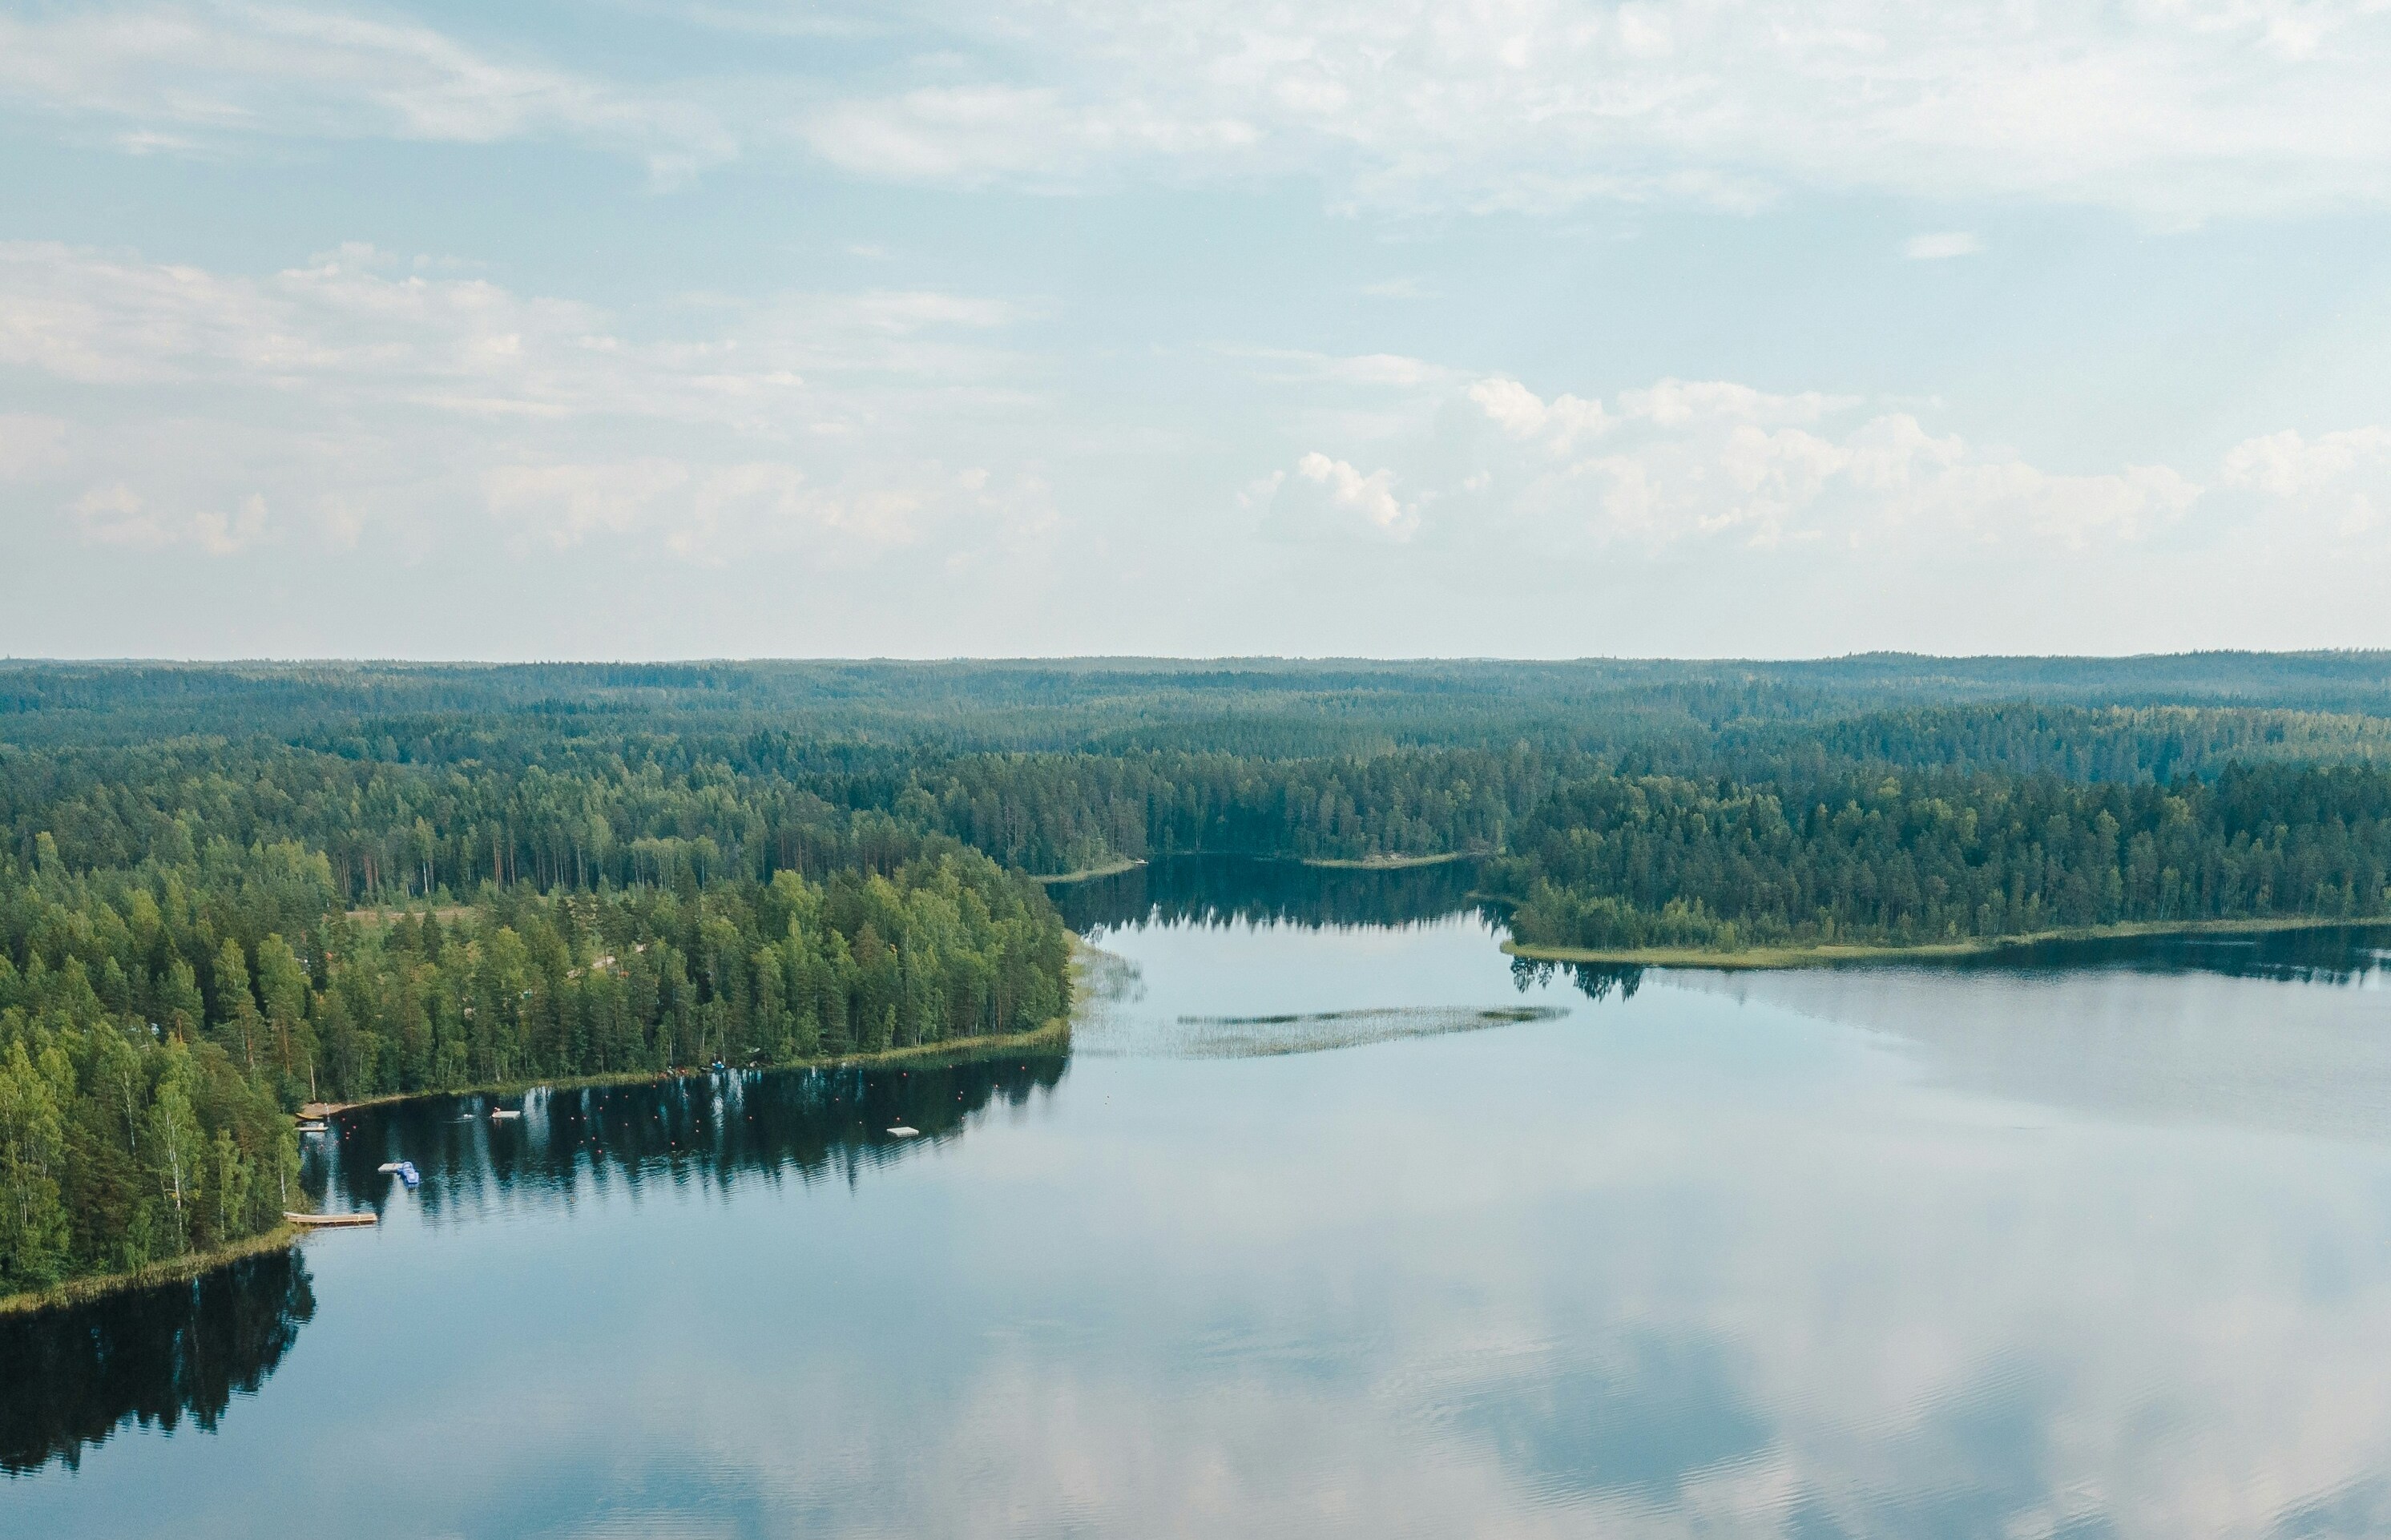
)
(327, 1221)
(405, 1170)
(902, 1131)
(506, 1112)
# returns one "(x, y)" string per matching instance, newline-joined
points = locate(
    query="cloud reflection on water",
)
(1899, 1252)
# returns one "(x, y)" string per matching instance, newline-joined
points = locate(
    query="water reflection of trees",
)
(71, 1378)
(2329, 954)
(2323, 954)
(68, 1378)
(1596, 981)
(712, 1129)
(1217, 890)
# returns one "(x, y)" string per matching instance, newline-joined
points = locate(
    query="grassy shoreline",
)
(1111, 869)
(76, 1291)
(1822, 955)
(1331, 863)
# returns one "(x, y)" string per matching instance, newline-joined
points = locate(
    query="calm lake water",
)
(1335, 1221)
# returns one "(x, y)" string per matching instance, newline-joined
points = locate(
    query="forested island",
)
(229, 890)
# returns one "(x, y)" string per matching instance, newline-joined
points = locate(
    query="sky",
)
(1393, 328)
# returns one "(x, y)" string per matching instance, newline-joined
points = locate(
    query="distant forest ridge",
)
(414, 780)
(1273, 707)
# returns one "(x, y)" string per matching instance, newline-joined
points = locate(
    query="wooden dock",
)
(328, 1222)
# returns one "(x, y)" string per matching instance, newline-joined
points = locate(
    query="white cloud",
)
(2174, 110)
(1940, 247)
(2339, 482)
(195, 73)
(722, 512)
(407, 411)
(1330, 497)
(357, 398)
(1680, 403)
(1002, 131)
(115, 514)
(1711, 461)
(350, 327)
(567, 503)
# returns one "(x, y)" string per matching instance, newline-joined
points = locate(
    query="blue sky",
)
(1546, 329)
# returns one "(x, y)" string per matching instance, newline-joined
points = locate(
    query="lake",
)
(1335, 1220)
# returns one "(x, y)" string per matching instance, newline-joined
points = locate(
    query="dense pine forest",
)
(228, 890)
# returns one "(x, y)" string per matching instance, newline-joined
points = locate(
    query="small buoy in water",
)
(901, 1131)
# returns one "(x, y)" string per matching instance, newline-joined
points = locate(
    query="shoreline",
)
(1328, 863)
(1828, 953)
(76, 1291)
(1090, 873)
(1055, 1031)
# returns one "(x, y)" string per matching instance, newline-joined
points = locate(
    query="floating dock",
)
(328, 1222)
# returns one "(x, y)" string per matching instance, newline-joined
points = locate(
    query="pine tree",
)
(32, 1152)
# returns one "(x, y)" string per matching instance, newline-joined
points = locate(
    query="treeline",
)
(1054, 813)
(1613, 862)
(390, 832)
(532, 987)
(747, 714)
(118, 1149)
(158, 1022)
(524, 803)
(394, 830)
(2157, 744)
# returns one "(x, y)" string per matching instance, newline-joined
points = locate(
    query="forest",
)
(1615, 863)
(228, 890)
